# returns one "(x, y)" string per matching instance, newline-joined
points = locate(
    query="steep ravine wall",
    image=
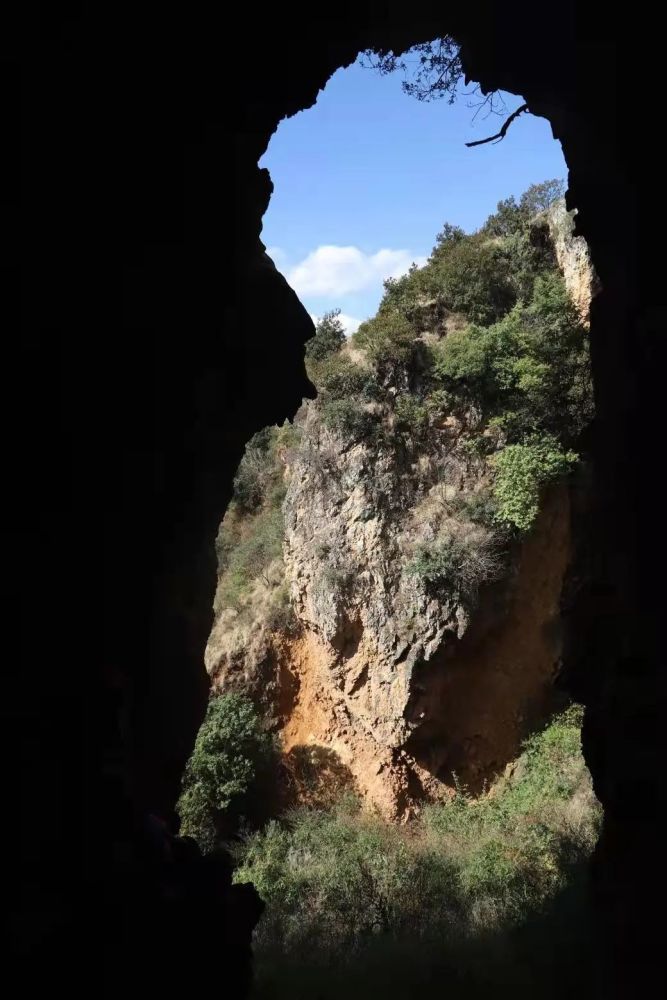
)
(413, 687)
(478, 700)
(465, 710)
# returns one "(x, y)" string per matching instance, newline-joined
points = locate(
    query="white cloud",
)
(337, 271)
(350, 323)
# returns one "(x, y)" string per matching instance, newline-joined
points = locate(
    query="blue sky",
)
(365, 179)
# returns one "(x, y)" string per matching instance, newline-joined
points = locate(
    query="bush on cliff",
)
(231, 759)
(328, 340)
(522, 470)
(529, 372)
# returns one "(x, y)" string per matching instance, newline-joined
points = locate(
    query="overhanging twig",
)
(503, 132)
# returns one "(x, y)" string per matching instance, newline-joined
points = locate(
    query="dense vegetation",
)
(345, 890)
(483, 890)
(227, 774)
(484, 333)
(250, 539)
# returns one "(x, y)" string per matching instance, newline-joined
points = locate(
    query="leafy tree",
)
(530, 371)
(544, 372)
(448, 236)
(530, 254)
(347, 417)
(340, 378)
(328, 340)
(509, 217)
(343, 388)
(389, 340)
(471, 276)
(410, 412)
(512, 216)
(230, 757)
(522, 470)
(539, 197)
(405, 294)
(436, 68)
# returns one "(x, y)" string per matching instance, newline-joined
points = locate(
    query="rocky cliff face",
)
(573, 259)
(413, 680)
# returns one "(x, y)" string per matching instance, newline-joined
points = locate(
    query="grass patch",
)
(346, 891)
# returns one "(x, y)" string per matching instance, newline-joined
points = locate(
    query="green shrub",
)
(530, 372)
(342, 385)
(530, 254)
(231, 755)
(248, 546)
(343, 390)
(389, 341)
(448, 237)
(466, 357)
(539, 197)
(508, 218)
(477, 446)
(347, 417)
(411, 413)
(288, 436)
(521, 472)
(439, 400)
(555, 337)
(522, 361)
(472, 276)
(251, 535)
(328, 340)
(341, 378)
(458, 564)
(338, 881)
(480, 508)
(333, 880)
(405, 295)
(480, 276)
(258, 471)
(512, 217)
(549, 772)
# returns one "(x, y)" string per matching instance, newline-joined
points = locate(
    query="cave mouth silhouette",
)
(126, 412)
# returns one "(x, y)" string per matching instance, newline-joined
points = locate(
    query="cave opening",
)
(126, 406)
(387, 638)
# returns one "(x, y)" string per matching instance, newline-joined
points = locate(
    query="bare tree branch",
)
(434, 70)
(490, 104)
(503, 132)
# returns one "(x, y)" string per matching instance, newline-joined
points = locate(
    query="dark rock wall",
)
(151, 340)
